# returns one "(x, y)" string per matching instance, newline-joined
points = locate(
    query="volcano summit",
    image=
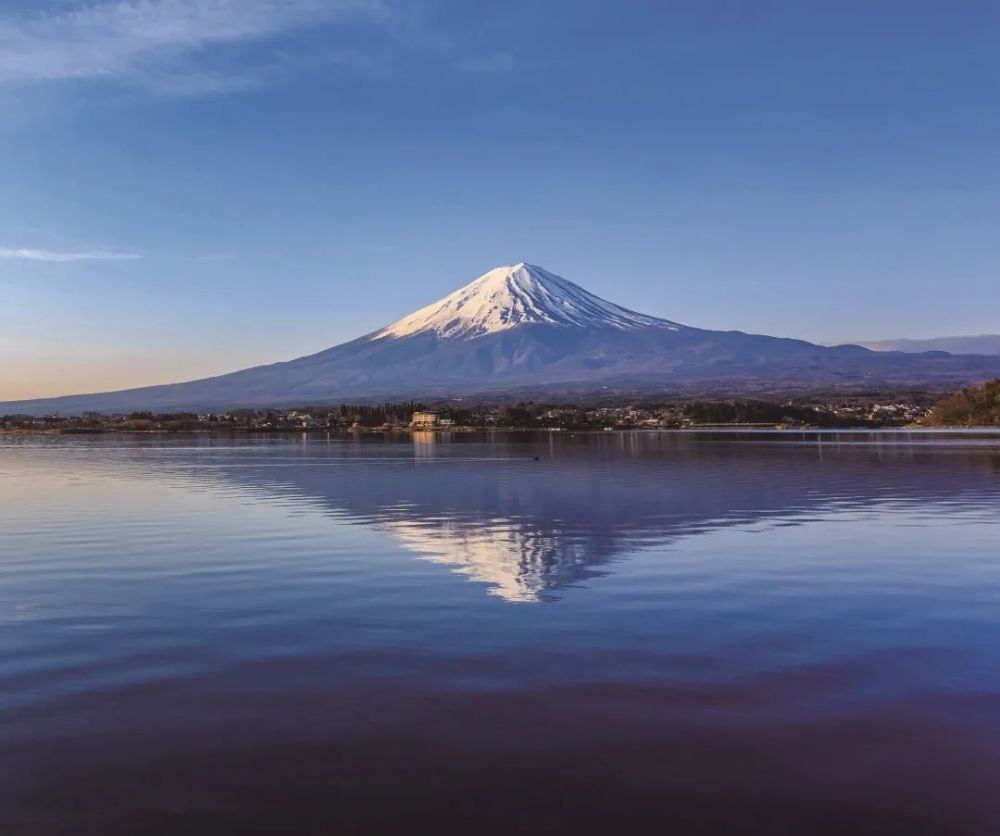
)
(520, 294)
(521, 329)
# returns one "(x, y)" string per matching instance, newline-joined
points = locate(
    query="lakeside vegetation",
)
(976, 406)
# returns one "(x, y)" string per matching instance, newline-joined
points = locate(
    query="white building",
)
(425, 419)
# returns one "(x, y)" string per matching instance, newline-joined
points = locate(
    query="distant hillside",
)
(982, 344)
(978, 406)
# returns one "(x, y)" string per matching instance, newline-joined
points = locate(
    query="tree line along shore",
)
(971, 407)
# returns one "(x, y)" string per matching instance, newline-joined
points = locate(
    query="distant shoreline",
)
(369, 431)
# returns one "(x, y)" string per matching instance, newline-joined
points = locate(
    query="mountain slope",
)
(521, 328)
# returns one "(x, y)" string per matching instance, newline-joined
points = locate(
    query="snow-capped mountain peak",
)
(522, 329)
(513, 295)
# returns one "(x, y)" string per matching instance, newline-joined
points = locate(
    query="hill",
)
(978, 406)
(980, 344)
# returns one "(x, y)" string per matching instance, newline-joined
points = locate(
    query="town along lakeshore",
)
(855, 412)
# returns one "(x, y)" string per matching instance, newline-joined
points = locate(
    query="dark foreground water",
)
(663, 633)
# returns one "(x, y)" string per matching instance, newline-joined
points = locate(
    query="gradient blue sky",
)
(193, 186)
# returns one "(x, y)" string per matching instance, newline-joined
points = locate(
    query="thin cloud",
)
(140, 40)
(28, 254)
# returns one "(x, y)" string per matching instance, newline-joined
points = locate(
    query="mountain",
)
(519, 329)
(980, 344)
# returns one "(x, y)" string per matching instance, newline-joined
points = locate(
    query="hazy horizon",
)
(194, 187)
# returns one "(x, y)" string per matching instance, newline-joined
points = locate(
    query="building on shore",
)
(425, 420)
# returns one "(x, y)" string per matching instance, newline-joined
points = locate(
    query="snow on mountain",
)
(513, 295)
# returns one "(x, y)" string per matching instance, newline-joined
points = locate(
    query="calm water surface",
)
(663, 633)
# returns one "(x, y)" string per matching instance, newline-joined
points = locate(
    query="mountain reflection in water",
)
(528, 529)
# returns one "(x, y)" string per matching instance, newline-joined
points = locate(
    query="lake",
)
(724, 632)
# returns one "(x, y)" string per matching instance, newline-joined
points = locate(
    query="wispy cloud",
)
(28, 254)
(144, 41)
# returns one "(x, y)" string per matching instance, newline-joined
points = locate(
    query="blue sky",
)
(193, 186)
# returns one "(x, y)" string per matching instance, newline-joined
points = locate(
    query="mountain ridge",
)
(972, 344)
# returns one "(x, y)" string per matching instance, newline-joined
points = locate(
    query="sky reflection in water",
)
(743, 632)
